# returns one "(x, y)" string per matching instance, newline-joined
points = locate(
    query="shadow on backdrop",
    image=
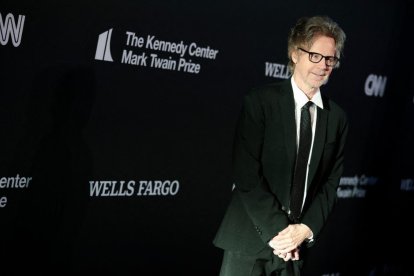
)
(55, 154)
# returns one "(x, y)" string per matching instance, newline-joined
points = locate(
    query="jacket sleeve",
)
(326, 198)
(259, 202)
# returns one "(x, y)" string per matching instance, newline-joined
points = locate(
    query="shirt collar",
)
(301, 99)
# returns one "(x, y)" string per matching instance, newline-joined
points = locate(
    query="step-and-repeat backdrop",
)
(117, 120)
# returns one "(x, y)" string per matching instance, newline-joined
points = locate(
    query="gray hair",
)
(307, 29)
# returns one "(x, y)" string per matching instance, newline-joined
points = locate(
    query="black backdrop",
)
(124, 169)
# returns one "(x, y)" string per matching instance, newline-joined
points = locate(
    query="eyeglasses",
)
(316, 58)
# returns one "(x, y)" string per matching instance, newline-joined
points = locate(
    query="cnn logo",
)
(375, 85)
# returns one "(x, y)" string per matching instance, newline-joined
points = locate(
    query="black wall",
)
(158, 141)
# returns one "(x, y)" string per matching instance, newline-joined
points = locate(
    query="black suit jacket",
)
(263, 164)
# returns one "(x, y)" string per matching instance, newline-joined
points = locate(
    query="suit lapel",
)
(319, 140)
(287, 107)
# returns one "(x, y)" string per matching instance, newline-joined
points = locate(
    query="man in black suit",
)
(275, 208)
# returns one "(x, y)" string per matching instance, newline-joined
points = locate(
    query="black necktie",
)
(305, 141)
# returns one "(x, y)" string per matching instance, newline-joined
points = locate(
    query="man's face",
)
(310, 76)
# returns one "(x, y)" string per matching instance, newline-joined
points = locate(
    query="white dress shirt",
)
(300, 100)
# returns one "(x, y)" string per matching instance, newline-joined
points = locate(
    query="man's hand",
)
(293, 255)
(287, 242)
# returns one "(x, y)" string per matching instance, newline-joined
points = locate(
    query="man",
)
(285, 188)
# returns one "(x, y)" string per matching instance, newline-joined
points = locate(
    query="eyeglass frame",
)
(335, 59)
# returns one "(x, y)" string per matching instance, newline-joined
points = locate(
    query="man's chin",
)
(322, 82)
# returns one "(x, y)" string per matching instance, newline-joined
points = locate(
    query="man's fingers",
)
(287, 257)
(284, 250)
(279, 254)
(295, 254)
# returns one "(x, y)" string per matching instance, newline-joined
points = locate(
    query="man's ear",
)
(294, 56)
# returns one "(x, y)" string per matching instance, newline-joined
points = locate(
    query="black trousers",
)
(265, 263)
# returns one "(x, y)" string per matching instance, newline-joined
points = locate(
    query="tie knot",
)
(307, 105)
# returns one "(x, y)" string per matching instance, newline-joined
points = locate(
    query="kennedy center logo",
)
(149, 51)
(103, 49)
